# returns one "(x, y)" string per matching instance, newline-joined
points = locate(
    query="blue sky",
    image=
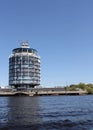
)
(61, 31)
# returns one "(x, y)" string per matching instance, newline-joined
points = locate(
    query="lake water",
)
(46, 113)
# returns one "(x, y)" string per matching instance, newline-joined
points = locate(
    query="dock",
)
(40, 92)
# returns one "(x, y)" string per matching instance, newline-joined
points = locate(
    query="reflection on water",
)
(19, 111)
(23, 110)
(46, 113)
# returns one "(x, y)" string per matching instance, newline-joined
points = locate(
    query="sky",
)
(60, 30)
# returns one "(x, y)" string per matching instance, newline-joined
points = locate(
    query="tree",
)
(82, 86)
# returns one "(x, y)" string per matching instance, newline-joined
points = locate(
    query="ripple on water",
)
(53, 125)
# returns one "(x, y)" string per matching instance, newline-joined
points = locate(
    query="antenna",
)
(24, 44)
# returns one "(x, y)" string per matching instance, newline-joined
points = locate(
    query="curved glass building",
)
(24, 67)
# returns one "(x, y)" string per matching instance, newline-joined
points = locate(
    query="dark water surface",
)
(46, 113)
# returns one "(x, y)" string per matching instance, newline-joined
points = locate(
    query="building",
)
(24, 67)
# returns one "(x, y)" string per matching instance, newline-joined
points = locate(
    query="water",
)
(46, 113)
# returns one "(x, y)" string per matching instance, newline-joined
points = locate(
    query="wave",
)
(53, 125)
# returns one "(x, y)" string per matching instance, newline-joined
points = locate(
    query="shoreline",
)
(40, 92)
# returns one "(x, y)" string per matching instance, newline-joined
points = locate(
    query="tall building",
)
(24, 67)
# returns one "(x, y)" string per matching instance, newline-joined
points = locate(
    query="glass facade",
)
(24, 67)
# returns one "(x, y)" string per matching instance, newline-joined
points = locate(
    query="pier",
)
(40, 92)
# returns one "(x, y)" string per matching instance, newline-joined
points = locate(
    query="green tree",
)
(82, 86)
(90, 90)
(90, 85)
